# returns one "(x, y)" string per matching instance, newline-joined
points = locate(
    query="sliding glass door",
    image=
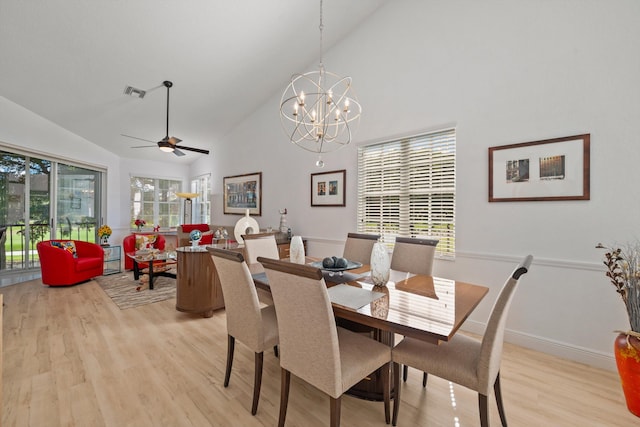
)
(34, 206)
(77, 203)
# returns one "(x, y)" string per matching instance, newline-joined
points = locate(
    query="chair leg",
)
(335, 411)
(424, 379)
(498, 392)
(285, 380)
(257, 382)
(231, 341)
(275, 351)
(396, 396)
(386, 372)
(405, 372)
(483, 405)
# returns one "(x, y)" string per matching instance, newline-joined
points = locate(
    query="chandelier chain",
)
(321, 27)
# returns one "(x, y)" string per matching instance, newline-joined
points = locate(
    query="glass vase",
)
(380, 264)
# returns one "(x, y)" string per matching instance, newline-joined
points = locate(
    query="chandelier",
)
(319, 110)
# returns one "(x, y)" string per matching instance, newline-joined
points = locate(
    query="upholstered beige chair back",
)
(414, 255)
(244, 319)
(493, 339)
(256, 245)
(358, 247)
(308, 337)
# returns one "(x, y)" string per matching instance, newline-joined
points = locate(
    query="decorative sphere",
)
(341, 263)
(195, 235)
(328, 262)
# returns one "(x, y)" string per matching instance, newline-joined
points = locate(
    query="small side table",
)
(112, 258)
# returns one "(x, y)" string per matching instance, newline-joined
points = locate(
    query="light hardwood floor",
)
(72, 358)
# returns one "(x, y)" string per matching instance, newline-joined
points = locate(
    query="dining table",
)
(424, 307)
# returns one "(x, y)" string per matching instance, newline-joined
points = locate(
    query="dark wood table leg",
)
(151, 274)
(136, 269)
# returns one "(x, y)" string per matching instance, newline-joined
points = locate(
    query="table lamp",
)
(187, 205)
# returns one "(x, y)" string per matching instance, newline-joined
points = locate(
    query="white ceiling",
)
(69, 61)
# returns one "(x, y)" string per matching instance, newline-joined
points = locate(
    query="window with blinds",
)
(154, 200)
(406, 187)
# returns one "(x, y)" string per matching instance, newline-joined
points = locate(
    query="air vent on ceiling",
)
(130, 90)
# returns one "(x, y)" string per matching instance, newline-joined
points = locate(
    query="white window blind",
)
(406, 187)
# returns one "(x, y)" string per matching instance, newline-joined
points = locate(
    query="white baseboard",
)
(555, 348)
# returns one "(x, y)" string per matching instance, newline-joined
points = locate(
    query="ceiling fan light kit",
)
(168, 144)
(165, 146)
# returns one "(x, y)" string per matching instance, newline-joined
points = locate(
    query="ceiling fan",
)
(168, 144)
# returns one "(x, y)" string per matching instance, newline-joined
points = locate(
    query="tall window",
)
(202, 203)
(154, 200)
(406, 187)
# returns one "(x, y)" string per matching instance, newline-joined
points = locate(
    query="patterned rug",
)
(122, 289)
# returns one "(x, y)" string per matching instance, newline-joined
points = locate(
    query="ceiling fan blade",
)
(178, 152)
(197, 150)
(143, 146)
(135, 137)
(173, 140)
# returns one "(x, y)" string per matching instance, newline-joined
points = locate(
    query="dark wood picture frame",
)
(546, 170)
(242, 192)
(329, 188)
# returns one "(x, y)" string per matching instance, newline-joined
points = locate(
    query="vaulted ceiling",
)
(69, 61)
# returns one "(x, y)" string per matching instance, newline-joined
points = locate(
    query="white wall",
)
(502, 72)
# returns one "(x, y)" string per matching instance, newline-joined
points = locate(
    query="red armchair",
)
(60, 267)
(129, 245)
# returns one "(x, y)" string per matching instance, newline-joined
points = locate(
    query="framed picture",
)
(242, 192)
(551, 169)
(328, 188)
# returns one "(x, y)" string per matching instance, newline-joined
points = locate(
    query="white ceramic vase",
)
(380, 264)
(245, 225)
(296, 250)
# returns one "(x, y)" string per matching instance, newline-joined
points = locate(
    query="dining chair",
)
(416, 256)
(247, 321)
(358, 247)
(471, 362)
(312, 347)
(259, 244)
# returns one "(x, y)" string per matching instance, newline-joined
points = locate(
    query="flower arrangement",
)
(140, 222)
(623, 270)
(104, 230)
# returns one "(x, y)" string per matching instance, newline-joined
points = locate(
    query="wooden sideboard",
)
(285, 245)
(198, 287)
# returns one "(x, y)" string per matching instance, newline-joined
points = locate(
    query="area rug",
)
(122, 289)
